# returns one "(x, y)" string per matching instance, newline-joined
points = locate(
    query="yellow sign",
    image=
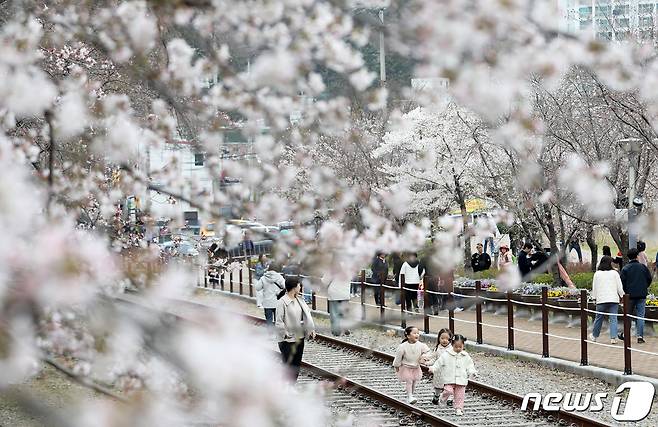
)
(472, 205)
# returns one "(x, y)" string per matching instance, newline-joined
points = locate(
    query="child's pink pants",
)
(456, 390)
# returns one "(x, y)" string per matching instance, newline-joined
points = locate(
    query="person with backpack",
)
(412, 273)
(636, 278)
(259, 270)
(270, 284)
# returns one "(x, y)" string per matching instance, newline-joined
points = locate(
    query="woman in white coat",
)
(412, 272)
(607, 291)
(294, 324)
(270, 284)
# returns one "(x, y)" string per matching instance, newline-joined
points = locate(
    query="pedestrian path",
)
(564, 342)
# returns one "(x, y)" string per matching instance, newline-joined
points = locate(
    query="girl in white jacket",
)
(442, 344)
(456, 367)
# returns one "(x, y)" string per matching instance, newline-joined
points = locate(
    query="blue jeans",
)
(637, 308)
(269, 316)
(608, 307)
(337, 311)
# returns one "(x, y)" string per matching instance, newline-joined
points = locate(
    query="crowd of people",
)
(279, 293)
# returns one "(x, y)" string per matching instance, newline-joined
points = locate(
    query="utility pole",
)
(382, 51)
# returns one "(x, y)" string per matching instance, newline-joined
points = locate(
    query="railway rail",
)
(366, 374)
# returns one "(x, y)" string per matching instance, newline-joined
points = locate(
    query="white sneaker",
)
(412, 399)
(458, 309)
(613, 341)
(592, 338)
(459, 412)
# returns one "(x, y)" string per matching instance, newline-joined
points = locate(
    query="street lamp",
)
(635, 203)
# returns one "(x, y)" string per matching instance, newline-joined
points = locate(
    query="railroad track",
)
(367, 375)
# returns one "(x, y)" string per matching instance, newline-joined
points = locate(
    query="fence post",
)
(426, 303)
(251, 283)
(628, 369)
(205, 278)
(510, 321)
(451, 316)
(313, 300)
(363, 295)
(230, 281)
(221, 280)
(478, 311)
(240, 278)
(403, 304)
(382, 299)
(544, 321)
(583, 327)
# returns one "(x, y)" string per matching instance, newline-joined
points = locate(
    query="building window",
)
(645, 9)
(198, 159)
(621, 10)
(646, 21)
(622, 22)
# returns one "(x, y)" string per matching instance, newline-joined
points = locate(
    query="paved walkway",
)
(494, 332)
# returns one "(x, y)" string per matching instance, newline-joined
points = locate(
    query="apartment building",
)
(613, 20)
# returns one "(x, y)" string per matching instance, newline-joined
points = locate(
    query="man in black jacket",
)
(636, 278)
(379, 269)
(480, 260)
(524, 260)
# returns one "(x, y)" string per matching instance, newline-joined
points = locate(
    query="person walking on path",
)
(430, 278)
(480, 261)
(524, 259)
(504, 257)
(259, 270)
(636, 278)
(379, 268)
(456, 367)
(412, 273)
(606, 291)
(575, 245)
(396, 261)
(442, 344)
(338, 295)
(270, 285)
(407, 361)
(293, 324)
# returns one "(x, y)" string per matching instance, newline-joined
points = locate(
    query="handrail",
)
(227, 281)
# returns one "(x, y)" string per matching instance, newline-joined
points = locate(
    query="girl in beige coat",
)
(407, 360)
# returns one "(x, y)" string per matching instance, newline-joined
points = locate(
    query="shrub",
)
(583, 280)
(545, 278)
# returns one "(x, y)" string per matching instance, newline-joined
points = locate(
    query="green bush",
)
(583, 280)
(653, 288)
(546, 279)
